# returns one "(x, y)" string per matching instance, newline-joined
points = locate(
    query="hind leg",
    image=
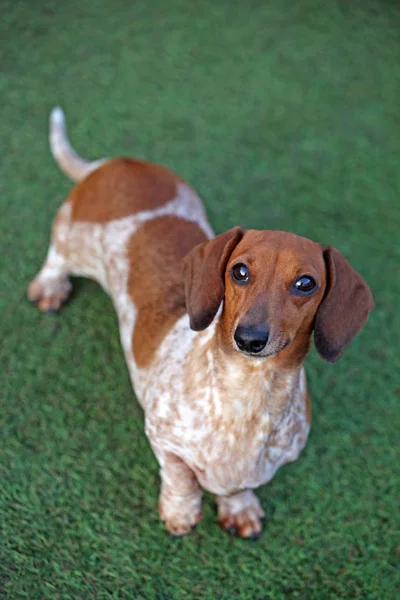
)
(51, 286)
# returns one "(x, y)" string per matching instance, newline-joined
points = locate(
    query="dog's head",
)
(277, 288)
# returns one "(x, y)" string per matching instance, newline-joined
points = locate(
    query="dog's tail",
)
(65, 156)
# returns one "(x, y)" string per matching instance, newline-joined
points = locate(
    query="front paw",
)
(242, 516)
(180, 513)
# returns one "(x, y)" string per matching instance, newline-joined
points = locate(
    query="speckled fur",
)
(216, 419)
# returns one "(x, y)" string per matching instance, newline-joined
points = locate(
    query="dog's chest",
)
(246, 452)
(233, 434)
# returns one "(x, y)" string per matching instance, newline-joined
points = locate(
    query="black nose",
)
(251, 339)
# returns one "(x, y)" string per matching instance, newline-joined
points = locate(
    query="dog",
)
(215, 329)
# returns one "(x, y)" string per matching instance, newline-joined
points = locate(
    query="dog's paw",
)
(49, 294)
(241, 516)
(180, 513)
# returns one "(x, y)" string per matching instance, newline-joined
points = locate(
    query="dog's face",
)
(274, 283)
(276, 287)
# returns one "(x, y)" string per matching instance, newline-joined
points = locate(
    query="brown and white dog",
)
(215, 330)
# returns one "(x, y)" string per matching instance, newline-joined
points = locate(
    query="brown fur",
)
(275, 260)
(120, 188)
(204, 272)
(155, 282)
(345, 308)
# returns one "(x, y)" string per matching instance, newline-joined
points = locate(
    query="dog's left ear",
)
(203, 275)
(344, 308)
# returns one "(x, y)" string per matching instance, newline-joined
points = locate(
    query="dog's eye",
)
(240, 273)
(304, 284)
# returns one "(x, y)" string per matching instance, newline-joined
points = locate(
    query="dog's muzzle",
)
(251, 339)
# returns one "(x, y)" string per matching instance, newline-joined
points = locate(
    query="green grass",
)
(282, 115)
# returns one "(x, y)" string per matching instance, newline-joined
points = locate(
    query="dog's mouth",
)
(265, 353)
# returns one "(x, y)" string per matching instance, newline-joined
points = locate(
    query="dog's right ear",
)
(344, 309)
(203, 275)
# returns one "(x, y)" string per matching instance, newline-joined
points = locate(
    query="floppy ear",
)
(344, 308)
(203, 275)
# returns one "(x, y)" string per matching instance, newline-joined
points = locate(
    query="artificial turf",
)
(282, 115)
